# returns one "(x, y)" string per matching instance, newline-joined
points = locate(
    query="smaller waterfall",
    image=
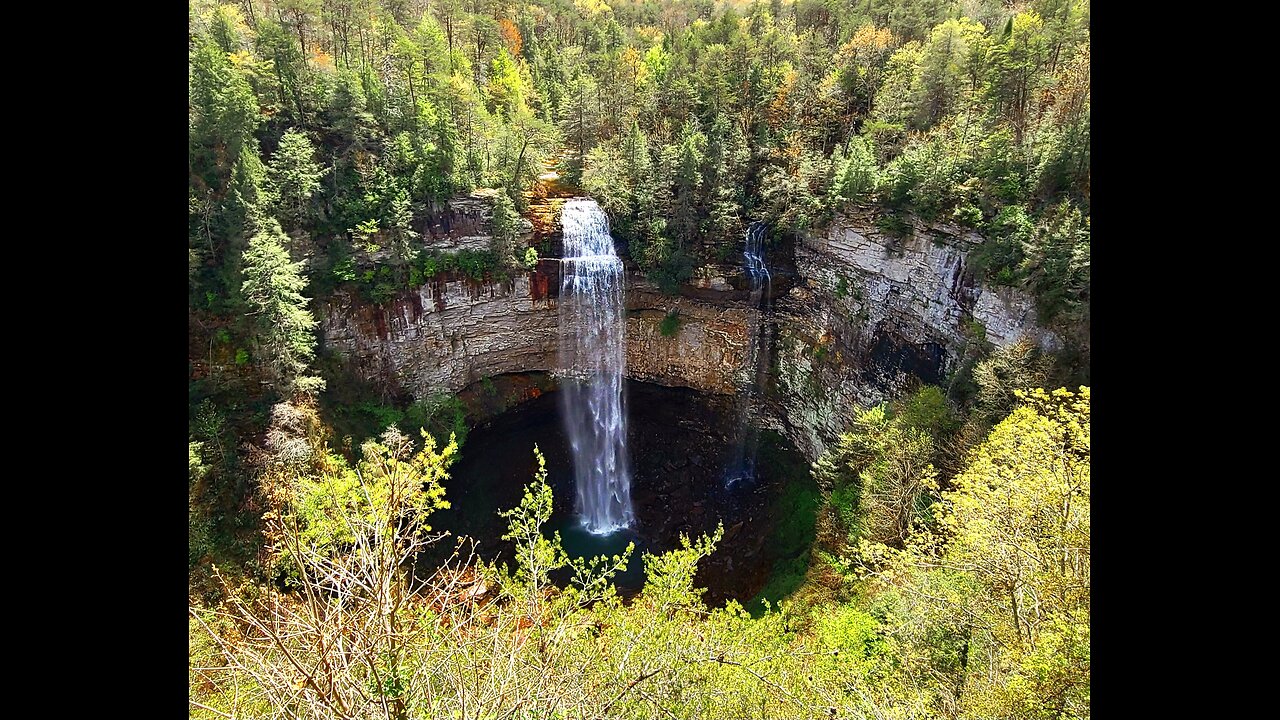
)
(757, 270)
(742, 465)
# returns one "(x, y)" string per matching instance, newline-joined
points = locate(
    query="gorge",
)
(858, 312)
(860, 315)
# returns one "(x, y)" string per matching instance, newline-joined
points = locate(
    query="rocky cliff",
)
(863, 314)
(872, 311)
(708, 349)
(446, 335)
(451, 333)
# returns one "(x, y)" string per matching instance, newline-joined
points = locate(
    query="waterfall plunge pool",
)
(679, 442)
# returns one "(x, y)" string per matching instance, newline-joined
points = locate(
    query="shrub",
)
(670, 324)
(440, 415)
(996, 260)
(893, 224)
(673, 272)
(927, 410)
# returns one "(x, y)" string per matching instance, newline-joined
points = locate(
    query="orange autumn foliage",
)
(511, 36)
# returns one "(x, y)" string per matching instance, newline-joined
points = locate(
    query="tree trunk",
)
(519, 160)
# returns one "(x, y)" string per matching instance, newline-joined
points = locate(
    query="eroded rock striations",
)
(875, 310)
(865, 313)
(707, 351)
(445, 336)
(452, 333)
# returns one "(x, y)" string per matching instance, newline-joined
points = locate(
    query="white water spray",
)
(753, 255)
(592, 333)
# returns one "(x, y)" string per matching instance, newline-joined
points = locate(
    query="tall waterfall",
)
(742, 464)
(592, 333)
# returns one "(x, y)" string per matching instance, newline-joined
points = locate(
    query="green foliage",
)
(440, 415)
(1057, 262)
(392, 490)
(927, 410)
(968, 215)
(878, 472)
(681, 122)
(505, 244)
(975, 331)
(272, 287)
(293, 176)
(685, 161)
(1008, 569)
(856, 172)
(670, 324)
(537, 556)
(199, 528)
(850, 632)
(344, 270)
(1001, 254)
(674, 271)
(1000, 166)
(794, 195)
(350, 127)
(927, 176)
(224, 110)
(669, 576)
(894, 224)
(475, 264)
(1051, 259)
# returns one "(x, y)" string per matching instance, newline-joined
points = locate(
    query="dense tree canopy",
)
(686, 120)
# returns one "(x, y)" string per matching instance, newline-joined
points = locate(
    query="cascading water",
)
(753, 257)
(592, 333)
(742, 465)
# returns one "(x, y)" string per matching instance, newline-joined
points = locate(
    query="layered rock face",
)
(450, 334)
(708, 350)
(873, 311)
(447, 335)
(463, 223)
(863, 314)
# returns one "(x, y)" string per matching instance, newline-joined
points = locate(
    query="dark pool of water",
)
(679, 442)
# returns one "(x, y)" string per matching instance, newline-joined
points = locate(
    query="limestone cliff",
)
(446, 335)
(708, 350)
(451, 333)
(862, 313)
(872, 311)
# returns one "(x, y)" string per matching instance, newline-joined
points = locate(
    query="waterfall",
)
(742, 465)
(753, 258)
(592, 333)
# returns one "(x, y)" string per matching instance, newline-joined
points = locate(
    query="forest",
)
(406, 159)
